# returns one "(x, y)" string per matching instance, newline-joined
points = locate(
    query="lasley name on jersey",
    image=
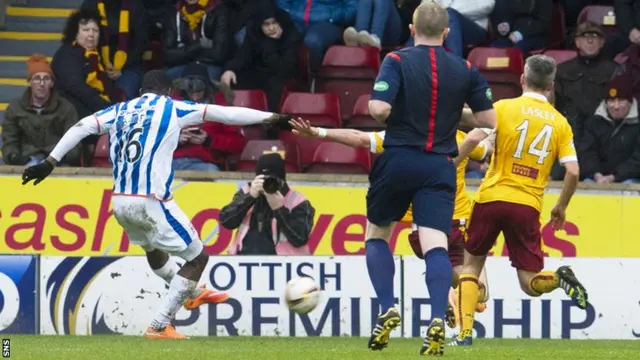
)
(528, 111)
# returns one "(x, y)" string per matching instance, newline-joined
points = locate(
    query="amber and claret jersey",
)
(462, 207)
(530, 135)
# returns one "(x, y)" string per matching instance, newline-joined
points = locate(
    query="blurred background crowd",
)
(314, 58)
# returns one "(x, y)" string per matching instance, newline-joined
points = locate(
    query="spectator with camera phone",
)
(205, 147)
(271, 217)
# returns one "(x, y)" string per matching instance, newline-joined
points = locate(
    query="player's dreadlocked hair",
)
(157, 82)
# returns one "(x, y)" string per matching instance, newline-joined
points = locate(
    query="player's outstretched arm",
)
(473, 139)
(349, 137)
(85, 127)
(241, 116)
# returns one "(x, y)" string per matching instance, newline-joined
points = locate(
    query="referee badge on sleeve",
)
(381, 86)
(489, 94)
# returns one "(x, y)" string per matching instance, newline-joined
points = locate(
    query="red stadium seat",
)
(360, 118)
(256, 148)
(348, 72)
(602, 15)
(306, 146)
(340, 159)
(319, 109)
(561, 56)
(254, 99)
(502, 68)
(101, 153)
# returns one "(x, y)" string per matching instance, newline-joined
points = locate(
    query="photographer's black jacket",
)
(295, 224)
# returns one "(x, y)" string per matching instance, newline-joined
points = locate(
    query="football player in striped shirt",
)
(143, 134)
(462, 208)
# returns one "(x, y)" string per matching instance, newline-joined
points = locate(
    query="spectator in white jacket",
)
(468, 23)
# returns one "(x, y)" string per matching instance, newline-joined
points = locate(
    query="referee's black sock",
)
(438, 278)
(381, 269)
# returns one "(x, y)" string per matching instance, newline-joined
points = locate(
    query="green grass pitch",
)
(26, 347)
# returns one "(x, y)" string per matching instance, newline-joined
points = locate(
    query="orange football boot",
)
(208, 296)
(169, 333)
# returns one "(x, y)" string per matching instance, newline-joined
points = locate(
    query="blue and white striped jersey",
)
(143, 134)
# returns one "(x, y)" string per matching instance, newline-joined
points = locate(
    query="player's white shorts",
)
(153, 224)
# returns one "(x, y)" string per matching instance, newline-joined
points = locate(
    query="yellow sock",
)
(455, 280)
(467, 299)
(482, 292)
(544, 282)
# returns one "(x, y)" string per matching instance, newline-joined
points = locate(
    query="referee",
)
(419, 94)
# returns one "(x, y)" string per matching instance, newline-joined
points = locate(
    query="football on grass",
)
(302, 294)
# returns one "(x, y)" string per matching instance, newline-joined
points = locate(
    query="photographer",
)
(271, 217)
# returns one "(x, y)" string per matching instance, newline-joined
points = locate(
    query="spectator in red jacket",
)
(203, 148)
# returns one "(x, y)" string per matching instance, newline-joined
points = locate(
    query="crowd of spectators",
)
(214, 47)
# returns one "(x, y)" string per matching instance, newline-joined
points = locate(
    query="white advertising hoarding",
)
(614, 296)
(84, 295)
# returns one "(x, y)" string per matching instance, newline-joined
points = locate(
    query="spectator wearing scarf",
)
(190, 37)
(80, 75)
(123, 39)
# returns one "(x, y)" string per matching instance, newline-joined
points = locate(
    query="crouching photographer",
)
(271, 217)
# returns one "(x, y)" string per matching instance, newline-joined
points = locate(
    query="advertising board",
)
(18, 294)
(73, 217)
(106, 295)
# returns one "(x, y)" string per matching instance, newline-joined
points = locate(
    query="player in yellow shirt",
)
(373, 141)
(530, 135)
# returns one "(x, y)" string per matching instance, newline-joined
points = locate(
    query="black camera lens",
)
(271, 185)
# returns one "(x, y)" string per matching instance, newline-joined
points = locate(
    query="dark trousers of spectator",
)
(129, 81)
(271, 85)
(317, 38)
(380, 18)
(462, 32)
(525, 45)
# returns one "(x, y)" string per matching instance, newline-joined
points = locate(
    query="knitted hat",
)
(620, 87)
(271, 164)
(38, 63)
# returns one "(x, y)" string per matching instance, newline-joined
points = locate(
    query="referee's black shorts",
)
(402, 176)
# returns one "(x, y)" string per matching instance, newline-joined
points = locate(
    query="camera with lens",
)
(272, 184)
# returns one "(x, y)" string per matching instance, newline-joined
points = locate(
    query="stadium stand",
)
(256, 148)
(35, 28)
(337, 158)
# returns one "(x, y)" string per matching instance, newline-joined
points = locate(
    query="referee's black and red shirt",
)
(427, 88)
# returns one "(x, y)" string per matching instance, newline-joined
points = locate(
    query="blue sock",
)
(381, 269)
(438, 278)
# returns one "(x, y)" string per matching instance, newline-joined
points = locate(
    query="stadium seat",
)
(306, 146)
(348, 72)
(558, 28)
(256, 148)
(360, 118)
(101, 153)
(319, 109)
(337, 158)
(254, 99)
(603, 15)
(501, 67)
(561, 56)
